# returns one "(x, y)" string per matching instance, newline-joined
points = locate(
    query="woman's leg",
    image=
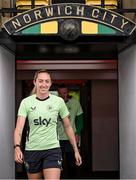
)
(34, 175)
(52, 173)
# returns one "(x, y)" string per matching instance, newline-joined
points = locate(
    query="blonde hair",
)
(33, 91)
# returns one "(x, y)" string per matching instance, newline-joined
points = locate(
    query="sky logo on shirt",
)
(41, 121)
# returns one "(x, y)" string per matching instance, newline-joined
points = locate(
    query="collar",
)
(42, 99)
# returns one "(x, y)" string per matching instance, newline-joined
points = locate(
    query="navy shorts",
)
(36, 161)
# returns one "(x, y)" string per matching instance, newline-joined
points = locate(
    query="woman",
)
(42, 155)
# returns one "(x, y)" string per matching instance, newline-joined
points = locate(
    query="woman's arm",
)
(70, 133)
(17, 138)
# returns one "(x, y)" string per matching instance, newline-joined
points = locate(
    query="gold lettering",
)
(80, 11)
(49, 11)
(105, 13)
(95, 13)
(123, 23)
(68, 10)
(58, 10)
(37, 14)
(16, 23)
(27, 18)
(113, 17)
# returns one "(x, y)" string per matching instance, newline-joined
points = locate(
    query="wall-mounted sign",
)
(78, 12)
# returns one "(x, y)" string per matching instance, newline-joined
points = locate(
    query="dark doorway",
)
(99, 122)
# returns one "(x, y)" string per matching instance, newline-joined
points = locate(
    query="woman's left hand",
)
(78, 158)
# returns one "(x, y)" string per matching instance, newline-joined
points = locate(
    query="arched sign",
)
(71, 17)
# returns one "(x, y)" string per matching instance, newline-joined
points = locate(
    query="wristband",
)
(16, 145)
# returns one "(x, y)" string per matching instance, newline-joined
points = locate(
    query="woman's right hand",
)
(18, 155)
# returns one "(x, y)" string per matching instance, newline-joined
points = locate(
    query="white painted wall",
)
(127, 113)
(7, 113)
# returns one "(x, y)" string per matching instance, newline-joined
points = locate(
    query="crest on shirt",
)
(49, 107)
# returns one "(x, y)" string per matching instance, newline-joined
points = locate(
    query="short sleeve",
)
(63, 112)
(22, 109)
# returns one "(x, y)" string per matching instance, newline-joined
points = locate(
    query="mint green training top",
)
(75, 110)
(42, 118)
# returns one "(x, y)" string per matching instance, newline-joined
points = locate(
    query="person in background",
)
(42, 156)
(76, 119)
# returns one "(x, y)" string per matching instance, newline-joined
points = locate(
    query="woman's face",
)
(43, 83)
